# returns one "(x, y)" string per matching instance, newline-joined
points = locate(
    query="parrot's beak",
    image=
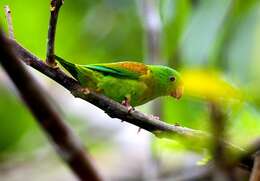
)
(178, 92)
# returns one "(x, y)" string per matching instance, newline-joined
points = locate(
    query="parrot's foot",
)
(55, 66)
(85, 90)
(130, 108)
(126, 103)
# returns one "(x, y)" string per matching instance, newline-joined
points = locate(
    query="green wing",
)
(129, 70)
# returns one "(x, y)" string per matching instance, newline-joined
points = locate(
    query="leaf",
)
(209, 85)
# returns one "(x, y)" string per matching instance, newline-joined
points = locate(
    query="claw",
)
(85, 90)
(129, 109)
(126, 103)
(154, 117)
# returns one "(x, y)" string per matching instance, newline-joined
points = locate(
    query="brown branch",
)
(112, 108)
(54, 8)
(65, 142)
(9, 21)
(255, 175)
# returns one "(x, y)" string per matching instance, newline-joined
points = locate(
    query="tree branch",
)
(54, 8)
(112, 108)
(65, 142)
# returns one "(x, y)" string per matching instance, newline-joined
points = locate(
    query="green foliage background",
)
(213, 35)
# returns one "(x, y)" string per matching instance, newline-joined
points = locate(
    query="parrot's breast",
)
(137, 92)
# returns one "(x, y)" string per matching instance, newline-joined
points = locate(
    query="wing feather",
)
(131, 70)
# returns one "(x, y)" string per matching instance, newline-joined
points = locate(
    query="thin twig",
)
(54, 8)
(9, 21)
(255, 175)
(65, 142)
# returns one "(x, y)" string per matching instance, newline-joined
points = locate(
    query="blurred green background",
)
(214, 43)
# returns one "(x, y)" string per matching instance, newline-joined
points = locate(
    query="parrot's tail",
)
(70, 67)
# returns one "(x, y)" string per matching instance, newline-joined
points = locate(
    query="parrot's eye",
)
(172, 79)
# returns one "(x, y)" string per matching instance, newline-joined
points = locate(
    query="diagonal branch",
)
(65, 142)
(112, 108)
(54, 8)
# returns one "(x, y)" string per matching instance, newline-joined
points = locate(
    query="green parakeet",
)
(130, 82)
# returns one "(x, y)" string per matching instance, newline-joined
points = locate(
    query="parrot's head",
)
(169, 81)
(176, 87)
